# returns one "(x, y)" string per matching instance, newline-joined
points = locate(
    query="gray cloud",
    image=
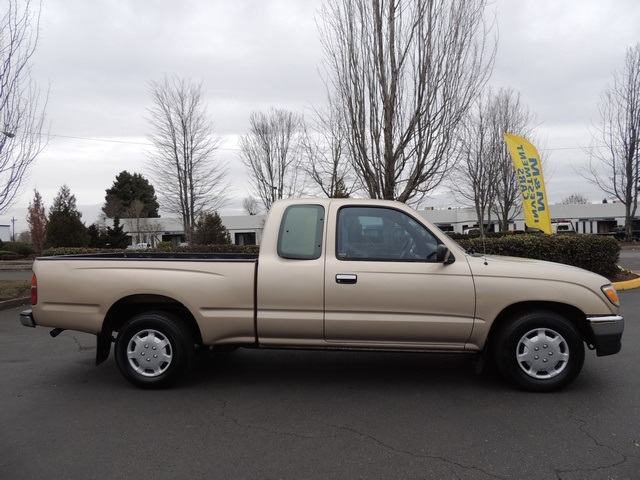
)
(99, 56)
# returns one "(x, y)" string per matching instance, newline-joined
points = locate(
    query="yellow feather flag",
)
(529, 171)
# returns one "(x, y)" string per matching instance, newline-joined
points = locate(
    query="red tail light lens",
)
(34, 290)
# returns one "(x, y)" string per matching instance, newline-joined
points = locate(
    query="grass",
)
(10, 289)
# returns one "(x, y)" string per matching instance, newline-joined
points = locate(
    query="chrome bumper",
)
(607, 333)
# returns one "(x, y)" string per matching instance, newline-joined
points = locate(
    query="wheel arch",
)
(129, 306)
(576, 316)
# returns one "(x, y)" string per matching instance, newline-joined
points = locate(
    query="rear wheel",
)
(539, 351)
(154, 349)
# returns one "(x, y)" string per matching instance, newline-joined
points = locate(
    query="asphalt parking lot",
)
(290, 414)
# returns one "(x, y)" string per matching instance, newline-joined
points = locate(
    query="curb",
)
(16, 302)
(628, 285)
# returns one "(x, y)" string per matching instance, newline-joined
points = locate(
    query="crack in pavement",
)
(582, 426)
(449, 463)
(80, 347)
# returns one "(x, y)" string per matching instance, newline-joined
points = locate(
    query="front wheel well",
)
(128, 307)
(571, 313)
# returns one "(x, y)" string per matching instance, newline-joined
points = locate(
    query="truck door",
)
(384, 286)
(290, 294)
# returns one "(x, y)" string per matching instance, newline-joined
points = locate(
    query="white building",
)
(588, 218)
(243, 230)
(247, 229)
(5, 233)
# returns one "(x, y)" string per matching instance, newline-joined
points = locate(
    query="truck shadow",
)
(290, 368)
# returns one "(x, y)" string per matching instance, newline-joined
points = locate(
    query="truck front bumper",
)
(607, 333)
(26, 319)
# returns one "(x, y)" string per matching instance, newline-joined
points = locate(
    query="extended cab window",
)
(382, 234)
(301, 232)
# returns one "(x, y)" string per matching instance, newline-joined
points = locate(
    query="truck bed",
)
(78, 292)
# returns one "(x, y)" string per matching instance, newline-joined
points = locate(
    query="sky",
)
(97, 59)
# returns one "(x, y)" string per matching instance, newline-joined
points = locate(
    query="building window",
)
(245, 238)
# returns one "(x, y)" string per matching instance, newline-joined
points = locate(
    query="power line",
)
(98, 140)
(104, 140)
(148, 144)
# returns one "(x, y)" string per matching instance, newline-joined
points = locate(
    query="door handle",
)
(346, 278)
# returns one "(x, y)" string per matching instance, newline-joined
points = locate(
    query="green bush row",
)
(465, 236)
(52, 252)
(251, 249)
(164, 247)
(596, 253)
(19, 248)
(6, 255)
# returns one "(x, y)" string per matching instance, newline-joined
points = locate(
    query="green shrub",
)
(251, 249)
(51, 252)
(168, 247)
(20, 248)
(596, 253)
(6, 255)
(164, 246)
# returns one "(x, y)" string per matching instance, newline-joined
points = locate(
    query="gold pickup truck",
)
(332, 274)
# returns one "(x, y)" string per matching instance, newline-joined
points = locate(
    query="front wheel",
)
(154, 349)
(539, 351)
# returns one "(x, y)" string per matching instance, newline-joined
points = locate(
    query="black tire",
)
(539, 351)
(154, 349)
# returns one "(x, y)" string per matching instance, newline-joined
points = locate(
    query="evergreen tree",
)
(65, 229)
(126, 189)
(115, 237)
(37, 220)
(210, 230)
(95, 237)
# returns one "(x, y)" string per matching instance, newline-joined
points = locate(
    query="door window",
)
(382, 234)
(301, 232)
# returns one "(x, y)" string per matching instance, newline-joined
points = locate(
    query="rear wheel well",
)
(573, 314)
(128, 307)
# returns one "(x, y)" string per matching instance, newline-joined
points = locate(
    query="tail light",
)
(34, 290)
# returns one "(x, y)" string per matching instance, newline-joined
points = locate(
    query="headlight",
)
(610, 292)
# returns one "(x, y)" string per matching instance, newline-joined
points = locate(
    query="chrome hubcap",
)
(542, 353)
(149, 353)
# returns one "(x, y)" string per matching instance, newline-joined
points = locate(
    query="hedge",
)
(250, 249)
(19, 248)
(6, 255)
(52, 252)
(597, 253)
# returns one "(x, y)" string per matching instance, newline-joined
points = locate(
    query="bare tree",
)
(510, 115)
(406, 73)
(475, 177)
(25, 237)
(188, 177)
(141, 227)
(614, 161)
(22, 110)
(326, 152)
(486, 175)
(271, 151)
(575, 199)
(250, 206)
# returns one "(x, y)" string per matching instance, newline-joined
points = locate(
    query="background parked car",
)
(139, 246)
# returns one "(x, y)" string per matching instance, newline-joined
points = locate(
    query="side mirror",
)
(443, 254)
